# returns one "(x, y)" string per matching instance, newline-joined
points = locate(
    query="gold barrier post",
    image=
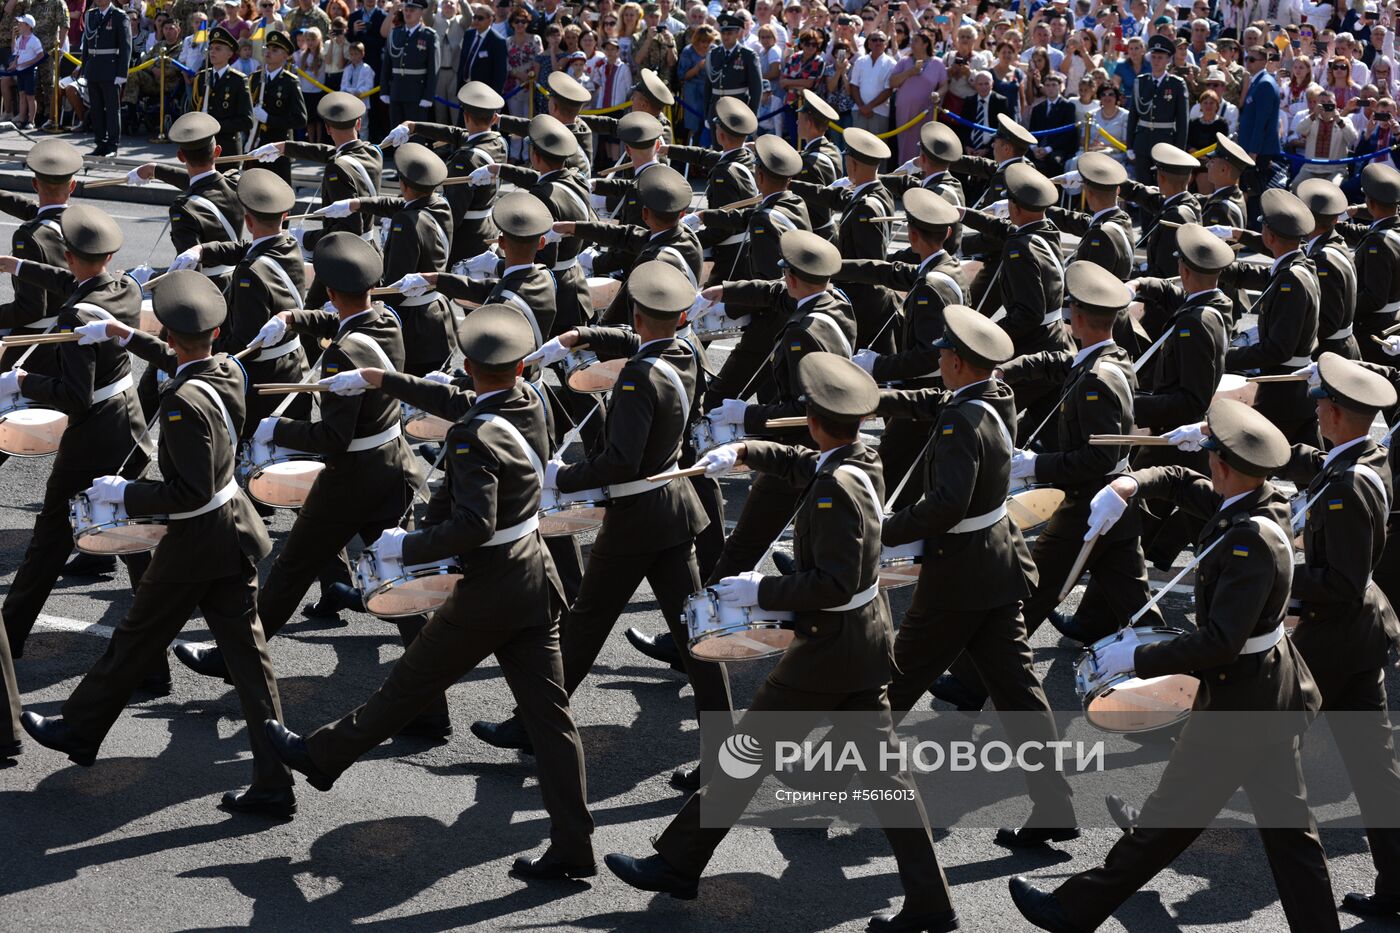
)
(1084, 192)
(160, 130)
(53, 79)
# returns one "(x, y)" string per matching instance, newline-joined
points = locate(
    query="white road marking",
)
(65, 624)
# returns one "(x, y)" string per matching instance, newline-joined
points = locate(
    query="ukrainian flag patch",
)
(629, 387)
(824, 502)
(462, 448)
(1091, 396)
(244, 283)
(1285, 288)
(331, 369)
(174, 415)
(1240, 551)
(1184, 332)
(1015, 255)
(947, 430)
(1334, 505)
(794, 346)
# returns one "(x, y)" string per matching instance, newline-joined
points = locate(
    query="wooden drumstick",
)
(739, 205)
(1286, 377)
(311, 216)
(677, 474)
(457, 180)
(1128, 440)
(616, 168)
(229, 160)
(286, 388)
(386, 290)
(29, 340)
(104, 183)
(796, 421)
(1379, 340)
(248, 351)
(1078, 567)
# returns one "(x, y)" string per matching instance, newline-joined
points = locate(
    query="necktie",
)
(1273, 11)
(982, 121)
(471, 56)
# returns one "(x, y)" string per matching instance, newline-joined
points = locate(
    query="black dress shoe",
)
(1033, 836)
(156, 685)
(784, 562)
(203, 659)
(1041, 908)
(686, 778)
(1124, 815)
(435, 727)
(291, 748)
(1070, 627)
(336, 598)
(280, 802)
(509, 734)
(1371, 905)
(903, 921)
(951, 690)
(652, 874)
(551, 867)
(657, 647)
(83, 564)
(10, 749)
(52, 732)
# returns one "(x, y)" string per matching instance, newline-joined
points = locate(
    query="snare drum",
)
(570, 513)
(719, 326)
(725, 632)
(899, 566)
(585, 373)
(105, 528)
(29, 432)
(278, 477)
(1126, 702)
(421, 426)
(149, 322)
(1030, 508)
(392, 590)
(706, 436)
(602, 289)
(1236, 387)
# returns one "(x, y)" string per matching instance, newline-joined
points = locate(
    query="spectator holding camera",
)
(1325, 133)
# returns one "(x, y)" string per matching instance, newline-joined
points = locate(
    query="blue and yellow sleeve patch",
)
(947, 429)
(629, 387)
(1285, 288)
(1184, 332)
(824, 502)
(174, 415)
(795, 345)
(1240, 550)
(461, 448)
(1091, 396)
(1014, 255)
(245, 283)
(1334, 504)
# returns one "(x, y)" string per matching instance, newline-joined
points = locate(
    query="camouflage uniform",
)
(146, 84)
(50, 25)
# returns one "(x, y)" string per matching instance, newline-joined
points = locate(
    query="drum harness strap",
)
(524, 307)
(121, 385)
(213, 208)
(870, 592)
(987, 519)
(622, 490)
(1167, 332)
(292, 342)
(395, 430)
(230, 489)
(588, 214)
(432, 296)
(520, 530)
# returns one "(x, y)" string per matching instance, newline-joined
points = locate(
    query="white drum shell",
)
(392, 590)
(725, 632)
(104, 528)
(27, 431)
(277, 477)
(571, 513)
(585, 373)
(1127, 703)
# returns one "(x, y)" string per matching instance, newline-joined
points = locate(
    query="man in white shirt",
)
(870, 85)
(1040, 39)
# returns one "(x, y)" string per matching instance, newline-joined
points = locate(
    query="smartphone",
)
(1297, 44)
(840, 55)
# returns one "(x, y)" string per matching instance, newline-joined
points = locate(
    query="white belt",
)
(103, 51)
(1342, 334)
(566, 265)
(636, 487)
(217, 270)
(735, 239)
(281, 350)
(420, 300)
(1298, 361)
(978, 522)
(1262, 643)
(1052, 317)
(1390, 308)
(858, 600)
(113, 390)
(1156, 125)
(514, 532)
(423, 71)
(375, 440)
(476, 215)
(221, 497)
(729, 92)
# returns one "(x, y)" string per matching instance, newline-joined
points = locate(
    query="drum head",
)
(596, 379)
(120, 539)
(1235, 386)
(285, 485)
(747, 644)
(1033, 507)
(572, 521)
(602, 289)
(1137, 705)
(426, 427)
(31, 432)
(896, 575)
(409, 596)
(149, 322)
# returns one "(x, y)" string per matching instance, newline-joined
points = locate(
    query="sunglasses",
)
(479, 18)
(1337, 67)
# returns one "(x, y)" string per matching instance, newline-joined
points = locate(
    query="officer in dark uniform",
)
(1009, 147)
(932, 285)
(105, 50)
(639, 133)
(408, 73)
(566, 98)
(1346, 625)
(370, 472)
(961, 519)
(1377, 251)
(1244, 662)
(939, 148)
(839, 660)
(776, 163)
(278, 105)
(1225, 205)
(221, 91)
(729, 176)
(1288, 314)
(1170, 201)
(650, 526)
(651, 96)
(1161, 103)
(207, 560)
(475, 145)
(821, 160)
(508, 600)
(1336, 269)
(731, 70)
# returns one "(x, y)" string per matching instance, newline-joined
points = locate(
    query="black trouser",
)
(158, 613)
(232, 145)
(105, 112)
(9, 697)
(401, 111)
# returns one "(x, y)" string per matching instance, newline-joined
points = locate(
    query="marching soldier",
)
(1346, 625)
(840, 659)
(729, 176)
(934, 284)
(939, 148)
(566, 99)
(1244, 662)
(367, 485)
(1009, 147)
(1225, 206)
(639, 133)
(221, 91)
(418, 238)
(731, 70)
(208, 557)
(475, 145)
(1288, 316)
(508, 600)
(1336, 270)
(1377, 252)
(776, 163)
(1161, 102)
(651, 96)
(408, 74)
(1165, 208)
(863, 231)
(649, 527)
(105, 50)
(821, 160)
(961, 518)
(278, 105)
(267, 275)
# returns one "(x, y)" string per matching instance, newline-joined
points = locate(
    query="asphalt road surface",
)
(420, 838)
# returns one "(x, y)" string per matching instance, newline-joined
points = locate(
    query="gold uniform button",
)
(814, 630)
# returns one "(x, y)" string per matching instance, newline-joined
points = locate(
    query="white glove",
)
(266, 427)
(266, 153)
(692, 221)
(585, 261)
(119, 81)
(385, 98)
(1104, 511)
(425, 103)
(96, 332)
(439, 377)
(840, 183)
(1070, 179)
(552, 236)
(481, 176)
(1188, 437)
(108, 489)
(908, 168)
(551, 474)
(389, 546)
(298, 233)
(134, 178)
(350, 382)
(271, 333)
(1310, 371)
(998, 209)
(1023, 464)
(1132, 156)
(549, 353)
(1391, 346)
(720, 460)
(1221, 230)
(865, 359)
(397, 137)
(412, 285)
(188, 259)
(1118, 656)
(482, 264)
(336, 209)
(598, 202)
(141, 274)
(729, 411)
(260, 114)
(9, 382)
(741, 590)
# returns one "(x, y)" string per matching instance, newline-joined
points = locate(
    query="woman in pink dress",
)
(915, 79)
